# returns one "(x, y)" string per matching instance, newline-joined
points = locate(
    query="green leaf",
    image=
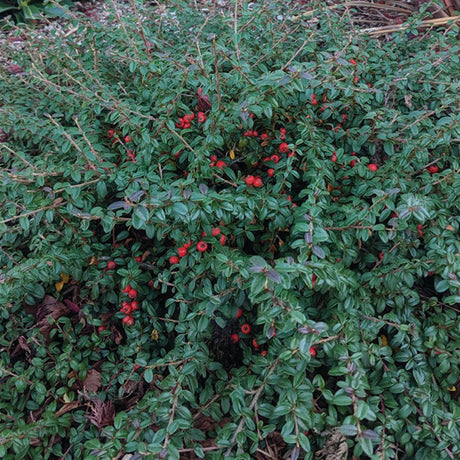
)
(148, 375)
(140, 216)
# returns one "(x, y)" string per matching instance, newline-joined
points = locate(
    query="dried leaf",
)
(14, 69)
(67, 407)
(92, 381)
(335, 446)
(204, 422)
(47, 312)
(59, 286)
(102, 413)
(203, 104)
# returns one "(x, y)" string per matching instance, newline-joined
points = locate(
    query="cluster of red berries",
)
(313, 99)
(371, 166)
(201, 246)
(181, 252)
(185, 122)
(254, 181)
(129, 307)
(217, 163)
(112, 134)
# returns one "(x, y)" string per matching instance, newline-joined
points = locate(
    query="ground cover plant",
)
(230, 236)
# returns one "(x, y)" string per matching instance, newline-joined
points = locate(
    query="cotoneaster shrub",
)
(230, 236)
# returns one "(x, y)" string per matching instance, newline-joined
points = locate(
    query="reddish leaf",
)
(73, 306)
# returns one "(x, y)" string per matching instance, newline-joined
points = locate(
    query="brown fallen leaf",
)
(92, 381)
(47, 312)
(335, 446)
(67, 407)
(102, 413)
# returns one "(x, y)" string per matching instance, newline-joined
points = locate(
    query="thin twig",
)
(374, 31)
(19, 156)
(58, 203)
(70, 139)
(251, 406)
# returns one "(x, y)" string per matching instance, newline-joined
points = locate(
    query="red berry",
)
(313, 281)
(174, 260)
(101, 328)
(234, 338)
(131, 156)
(352, 61)
(134, 305)
(132, 294)
(202, 246)
(312, 351)
(188, 118)
(110, 133)
(433, 169)
(126, 308)
(245, 328)
(372, 167)
(136, 367)
(138, 259)
(182, 251)
(126, 289)
(352, 163)
(239, 313)
(254, 343)
(254, 134)
(180, 123)
(128, 138)
(221, 164)
(283, 130)
(249, 180)
(187, 245)
(258, 182)
(263, 136)
(271, 172)
(128, 320)
(334, 157)
(213, 158)
(215, 231)
(283, 148)
(111, 265)
(419, 229)
(201, 117)
(275, 158)
(264, 353)
(222, 240)
(381, 254)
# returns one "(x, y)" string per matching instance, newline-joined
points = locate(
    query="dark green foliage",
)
(347, 277)
(30, 10)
